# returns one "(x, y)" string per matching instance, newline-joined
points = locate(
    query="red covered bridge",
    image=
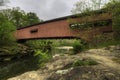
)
(60, 28)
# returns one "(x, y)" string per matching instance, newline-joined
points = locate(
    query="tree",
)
(6, 31)
(32, 18)
(80, 7)
(19, 18)
(87, 5)
(89, 10)
(15, 15)
(114, 7)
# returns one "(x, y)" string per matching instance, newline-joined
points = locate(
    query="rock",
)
(109, 76)
(117, 48)
(60, 67)
(63, 71)
(85, 76)
(33, 75)
(56, 55)
(111, 48)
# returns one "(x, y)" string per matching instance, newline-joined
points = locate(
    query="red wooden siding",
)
(58, 29)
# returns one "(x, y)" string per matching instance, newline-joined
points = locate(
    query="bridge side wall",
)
(61, 29)
(49, 30)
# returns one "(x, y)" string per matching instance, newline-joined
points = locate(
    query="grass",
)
(84, 62)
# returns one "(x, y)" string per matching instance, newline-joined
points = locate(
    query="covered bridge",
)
(68, 27)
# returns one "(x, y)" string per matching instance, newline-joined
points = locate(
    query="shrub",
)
(79, 46)
(42, 57)
(84, 62)
(43, 45)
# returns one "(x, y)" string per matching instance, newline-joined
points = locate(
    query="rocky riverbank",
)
(59, 68)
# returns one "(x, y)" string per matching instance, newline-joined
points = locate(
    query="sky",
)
(45, 9)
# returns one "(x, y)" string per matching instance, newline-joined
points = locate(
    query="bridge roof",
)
(67, 17)
(52, 20)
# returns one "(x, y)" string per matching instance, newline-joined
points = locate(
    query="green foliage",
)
(84, 6)
(116, 21)
(59, 44)
(102, 39)
(43, 57)
(79, 46)
(84, 62)
(19, 18)
(114, 7)
(42, 49)
(106, 44)
(32, 18)
(62, 42)
(7, 30)
(43, 45)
